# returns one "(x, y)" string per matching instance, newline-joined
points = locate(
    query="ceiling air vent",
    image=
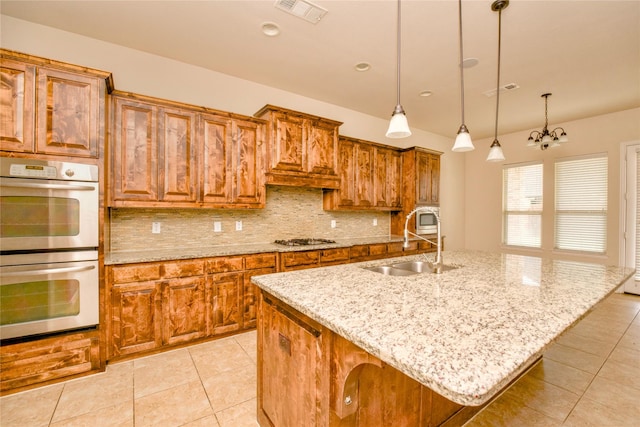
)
(505, 88)
(302, 9)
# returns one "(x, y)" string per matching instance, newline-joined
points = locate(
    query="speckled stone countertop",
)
(128, 257)
(465, 333)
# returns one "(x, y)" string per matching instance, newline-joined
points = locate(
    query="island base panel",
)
(311, 376)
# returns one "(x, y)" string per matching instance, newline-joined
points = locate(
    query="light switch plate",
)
(333, 223)
(238, 225)
(217, 226)
(155, 227)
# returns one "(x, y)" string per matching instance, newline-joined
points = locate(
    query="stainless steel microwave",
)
(427, 221)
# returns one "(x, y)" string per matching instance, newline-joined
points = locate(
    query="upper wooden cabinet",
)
(420, 183)
(50, 107)
(303, 149)
(167, 154)
(370, 177)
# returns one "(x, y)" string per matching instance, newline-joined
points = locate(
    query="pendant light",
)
(463, 139)
(495, 152)
(398, 127)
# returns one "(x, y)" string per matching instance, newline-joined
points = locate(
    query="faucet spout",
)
(437, 263)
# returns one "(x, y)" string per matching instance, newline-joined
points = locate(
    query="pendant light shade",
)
(398, 127)
(495, 151)
(463, 139)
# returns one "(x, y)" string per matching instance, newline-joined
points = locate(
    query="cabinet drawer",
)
(182, 269)
(377, 249)
(224, 264)
(394, 248)
(359, 251)
(136, 273)
(253, 262)
(292, 260)
(334, 255)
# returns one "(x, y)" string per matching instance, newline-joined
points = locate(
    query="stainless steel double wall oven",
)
(49, 276)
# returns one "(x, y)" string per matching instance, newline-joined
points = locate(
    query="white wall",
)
(483, 180)
(139, 72)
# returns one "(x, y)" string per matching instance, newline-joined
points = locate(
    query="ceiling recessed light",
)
(362, 66)
(426, 93)
(470, 62)
(270, 29)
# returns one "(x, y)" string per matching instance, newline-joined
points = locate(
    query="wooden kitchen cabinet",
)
(421, 184)
(370, 177)
(294, 380)
(155, 304)
(167, 154)
(231, 161)
(302, 148)
(51, 107)
(226, 302)
(33, 362)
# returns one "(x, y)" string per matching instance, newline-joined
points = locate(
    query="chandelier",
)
(545, 139)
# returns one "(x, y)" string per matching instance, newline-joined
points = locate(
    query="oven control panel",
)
(33, 171)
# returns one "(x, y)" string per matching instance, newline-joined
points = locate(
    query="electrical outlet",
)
(155, 227)
(375, 222)
(333, 223)
(238, 225)
(217, 226)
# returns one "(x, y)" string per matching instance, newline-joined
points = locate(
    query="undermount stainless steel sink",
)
(423, 267)
(410, 268)
(388, 270)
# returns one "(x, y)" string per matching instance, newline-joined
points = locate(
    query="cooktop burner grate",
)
(303, 242)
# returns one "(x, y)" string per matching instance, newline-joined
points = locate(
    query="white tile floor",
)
(590, 377)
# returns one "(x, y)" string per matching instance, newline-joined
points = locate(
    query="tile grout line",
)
(600, 368)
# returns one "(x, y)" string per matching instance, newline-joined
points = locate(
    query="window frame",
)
(506, 213)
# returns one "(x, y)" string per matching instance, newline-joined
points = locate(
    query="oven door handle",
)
(8, 273)
(49, 186)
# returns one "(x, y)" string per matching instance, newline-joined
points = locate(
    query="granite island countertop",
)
(465, 333)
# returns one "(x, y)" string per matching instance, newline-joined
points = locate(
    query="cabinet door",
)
(434, 178)
(289, 364)
(381, 179)
(423, 181)
(135, 151)
(321, 140)
(288, 150)
(346, 160)
(177, 174)
(394, 177)
(183, 309)
(364, 175)
(136, 317)
(214, 132)
(69, 119)
(250, 297)
(246, 142)
(226, 302)
(17, 98)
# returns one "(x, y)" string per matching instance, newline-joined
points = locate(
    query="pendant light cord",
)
(398, 57)
(461, 59)
(498, 80)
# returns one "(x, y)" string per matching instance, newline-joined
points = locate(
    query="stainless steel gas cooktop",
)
(303, 242)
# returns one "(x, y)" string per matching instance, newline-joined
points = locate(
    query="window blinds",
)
(581, 204)
(522, 205)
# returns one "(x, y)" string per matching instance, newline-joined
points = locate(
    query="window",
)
(581, 204)
(522, 205)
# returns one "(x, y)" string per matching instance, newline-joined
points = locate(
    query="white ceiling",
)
(587, 53)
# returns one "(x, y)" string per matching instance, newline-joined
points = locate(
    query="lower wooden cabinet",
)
(158, 304)
(33, 362)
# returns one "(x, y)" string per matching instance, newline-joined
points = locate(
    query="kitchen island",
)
(346, 346)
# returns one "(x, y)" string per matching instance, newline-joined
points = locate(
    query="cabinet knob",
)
(348, 401)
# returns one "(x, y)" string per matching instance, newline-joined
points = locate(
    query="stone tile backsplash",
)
(290, 212)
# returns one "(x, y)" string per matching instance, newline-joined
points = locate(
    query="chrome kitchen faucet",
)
(437, 264)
